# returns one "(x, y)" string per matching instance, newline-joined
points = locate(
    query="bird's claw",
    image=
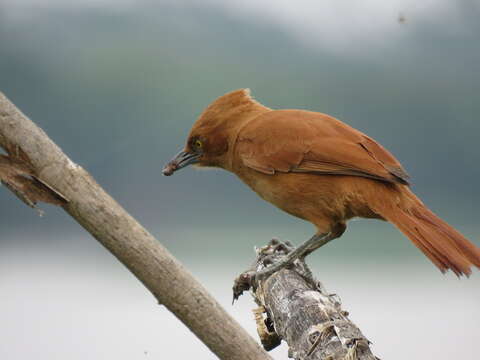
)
(274, 242)
(277, 246)
(268, 259)
(272, 259)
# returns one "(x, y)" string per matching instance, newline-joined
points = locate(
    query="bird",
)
(318, 168)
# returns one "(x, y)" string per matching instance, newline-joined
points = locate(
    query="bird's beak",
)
(182, 159)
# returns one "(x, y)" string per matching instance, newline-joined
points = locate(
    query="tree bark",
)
(296, 308)
(36, 169)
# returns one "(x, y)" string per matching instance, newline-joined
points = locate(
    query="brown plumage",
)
(318, 168)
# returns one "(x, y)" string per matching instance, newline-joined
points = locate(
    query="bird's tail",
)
(441, 243)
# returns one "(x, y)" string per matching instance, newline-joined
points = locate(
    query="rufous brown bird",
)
(319, 169)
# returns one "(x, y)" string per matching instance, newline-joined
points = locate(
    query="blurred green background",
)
(118, 84)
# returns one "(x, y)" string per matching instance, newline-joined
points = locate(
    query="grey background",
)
(118, 84)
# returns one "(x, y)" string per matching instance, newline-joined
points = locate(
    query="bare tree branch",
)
(296, 308)
(36, 169)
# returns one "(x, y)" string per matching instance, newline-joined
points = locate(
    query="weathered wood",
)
(111, 225)
(298, 309)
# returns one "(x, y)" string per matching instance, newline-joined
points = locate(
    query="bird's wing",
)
(303, 141)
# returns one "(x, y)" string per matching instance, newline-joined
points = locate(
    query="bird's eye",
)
(198, 144)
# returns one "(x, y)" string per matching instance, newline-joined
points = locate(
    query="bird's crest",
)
(228, 107)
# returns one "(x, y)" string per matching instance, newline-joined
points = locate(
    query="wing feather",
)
(303, 141)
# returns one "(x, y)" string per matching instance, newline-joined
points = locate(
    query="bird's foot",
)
(268, 256)
(282, 255)
(275, 256)
(277, 246)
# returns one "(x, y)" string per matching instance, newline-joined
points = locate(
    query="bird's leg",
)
(271, 263)
(299, 252)
(336, 231)
(248, 278)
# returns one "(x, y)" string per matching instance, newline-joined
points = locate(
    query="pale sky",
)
(333, 25)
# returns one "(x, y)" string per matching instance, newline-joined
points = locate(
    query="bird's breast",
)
(306, 196)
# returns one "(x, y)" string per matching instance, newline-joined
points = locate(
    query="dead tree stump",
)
(296, 308)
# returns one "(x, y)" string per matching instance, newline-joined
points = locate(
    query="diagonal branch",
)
(33, 157)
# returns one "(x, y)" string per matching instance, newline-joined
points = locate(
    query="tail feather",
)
(441, 243)
(464, 245)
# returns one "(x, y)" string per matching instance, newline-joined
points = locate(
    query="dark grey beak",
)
(180, 160)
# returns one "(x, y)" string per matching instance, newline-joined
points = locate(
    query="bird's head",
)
(215, 131)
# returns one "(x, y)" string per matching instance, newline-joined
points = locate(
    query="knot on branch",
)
(19, 176)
